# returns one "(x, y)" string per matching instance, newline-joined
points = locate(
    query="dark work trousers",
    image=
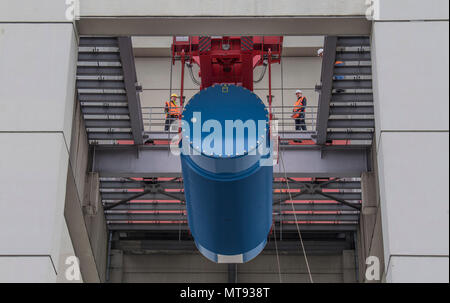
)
(169, 120)
(300, 123)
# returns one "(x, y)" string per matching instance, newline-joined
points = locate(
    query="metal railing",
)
(155, 119)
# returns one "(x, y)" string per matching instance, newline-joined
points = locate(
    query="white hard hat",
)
(319, 51)
(298, 91)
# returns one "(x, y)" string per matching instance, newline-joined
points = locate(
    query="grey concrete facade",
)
(193, 268)
(44, 161)
(35, 127)
(197, 17)
(83, 210)
(410, 63)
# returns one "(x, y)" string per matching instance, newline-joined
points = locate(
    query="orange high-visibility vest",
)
(172, 108)
(299, 107)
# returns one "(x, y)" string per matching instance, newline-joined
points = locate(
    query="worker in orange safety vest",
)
(172, 111)
(299, 111)
(337, 63)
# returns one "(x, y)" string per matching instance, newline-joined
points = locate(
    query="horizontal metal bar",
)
(98, 56)
(106, 117)
(102, 84)
(349, 84)
(108, 123)
(98, 41)
(184, 227)
(316, 217)
(97, 49)
(136, 185)
(350, 97)
(358, 48)
(110, 136)
(350, 135)
(105, 110)
(160, 162)
(353, 56)
(353, 41)
(109, 184)
(123, 196)
(308, 197)
(352, 70)
(103, 104)
(276, 196)
(103, 97)
(303, 135)
(352, 110)
(94, 70)
(181, 217)
(100, 77)
(108, 130)
(319, 246)
(99, 63)
(351, 123)
(101, 91)
(161, 206)
(331, 185)
(145, 217)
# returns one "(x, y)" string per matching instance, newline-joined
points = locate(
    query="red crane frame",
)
(227, 59)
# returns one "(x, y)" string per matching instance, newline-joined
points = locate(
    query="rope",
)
(263, 73)
(296, 222)
(170, 94)
(276, 251)
(191, 73)
(182, 212)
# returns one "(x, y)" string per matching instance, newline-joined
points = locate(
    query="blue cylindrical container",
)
(227, 172)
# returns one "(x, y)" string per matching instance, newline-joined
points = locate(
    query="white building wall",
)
(411, 74)
(37, 89)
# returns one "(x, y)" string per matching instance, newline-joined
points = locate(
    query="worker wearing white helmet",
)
(298, 112)
(337, 63)
(320, 52)
(172, 111)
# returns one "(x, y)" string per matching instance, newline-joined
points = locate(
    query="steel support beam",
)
(184, 227)
(197, 17)
(232, 273)
(130, 79)
(283, 207)
(176, 184)
(147, 195)
(328, 63)
(136, 217)
(160, 162)
(188, 246)
(287, 135)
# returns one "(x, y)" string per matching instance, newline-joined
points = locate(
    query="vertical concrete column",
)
(411, 74)
(370, 241)
(38, 53)
(116, 266)
(348, 266)
(232, 273)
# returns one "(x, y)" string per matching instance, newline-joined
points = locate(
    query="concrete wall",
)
(37, 88)
(290, 17)
(411, 74)
(45, 153)
(292, 74)
(370, 234)
(192, 268)
(268, 8)
(83, 210)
